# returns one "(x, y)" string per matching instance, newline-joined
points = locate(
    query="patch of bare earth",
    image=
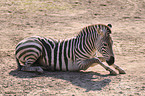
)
(61, 19)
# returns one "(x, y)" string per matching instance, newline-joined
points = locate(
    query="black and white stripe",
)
(67, 55)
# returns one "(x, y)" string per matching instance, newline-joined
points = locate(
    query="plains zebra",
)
(78, 53)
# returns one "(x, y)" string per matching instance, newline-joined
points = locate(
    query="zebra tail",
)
(18, 64)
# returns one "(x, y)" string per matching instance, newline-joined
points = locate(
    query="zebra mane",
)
(94, 27)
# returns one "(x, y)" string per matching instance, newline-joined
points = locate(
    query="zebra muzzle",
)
(111, 60)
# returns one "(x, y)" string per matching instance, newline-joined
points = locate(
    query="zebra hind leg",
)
(30, 68)
(33, 69)
(121, 71)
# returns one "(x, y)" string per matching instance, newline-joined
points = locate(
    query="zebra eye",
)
(107, 33)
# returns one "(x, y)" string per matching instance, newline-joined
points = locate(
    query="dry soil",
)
(61, 19)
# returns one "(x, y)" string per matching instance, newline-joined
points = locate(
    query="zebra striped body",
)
(75, 54)
(55, 55)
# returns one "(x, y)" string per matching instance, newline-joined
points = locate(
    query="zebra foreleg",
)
(121, 71)
(87, 63)
(102, 59)
(112, 72)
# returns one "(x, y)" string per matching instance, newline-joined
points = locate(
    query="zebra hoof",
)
(39, 70)
(122, 72)
(113, 73)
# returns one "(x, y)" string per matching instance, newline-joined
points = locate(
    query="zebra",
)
(37, 53)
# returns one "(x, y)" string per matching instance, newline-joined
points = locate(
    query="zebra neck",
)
(86, 45)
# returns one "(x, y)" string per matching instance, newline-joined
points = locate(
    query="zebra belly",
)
(70, 66)
(59, 66)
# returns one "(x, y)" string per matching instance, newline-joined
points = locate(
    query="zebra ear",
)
(109, 25)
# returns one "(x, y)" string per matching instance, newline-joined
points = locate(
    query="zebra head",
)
(104, 42)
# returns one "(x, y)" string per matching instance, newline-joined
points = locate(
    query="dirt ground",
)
(61, 19)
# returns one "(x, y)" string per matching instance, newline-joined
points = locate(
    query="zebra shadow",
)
(87, 80)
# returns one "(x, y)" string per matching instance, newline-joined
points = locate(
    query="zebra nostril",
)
(111, 60)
